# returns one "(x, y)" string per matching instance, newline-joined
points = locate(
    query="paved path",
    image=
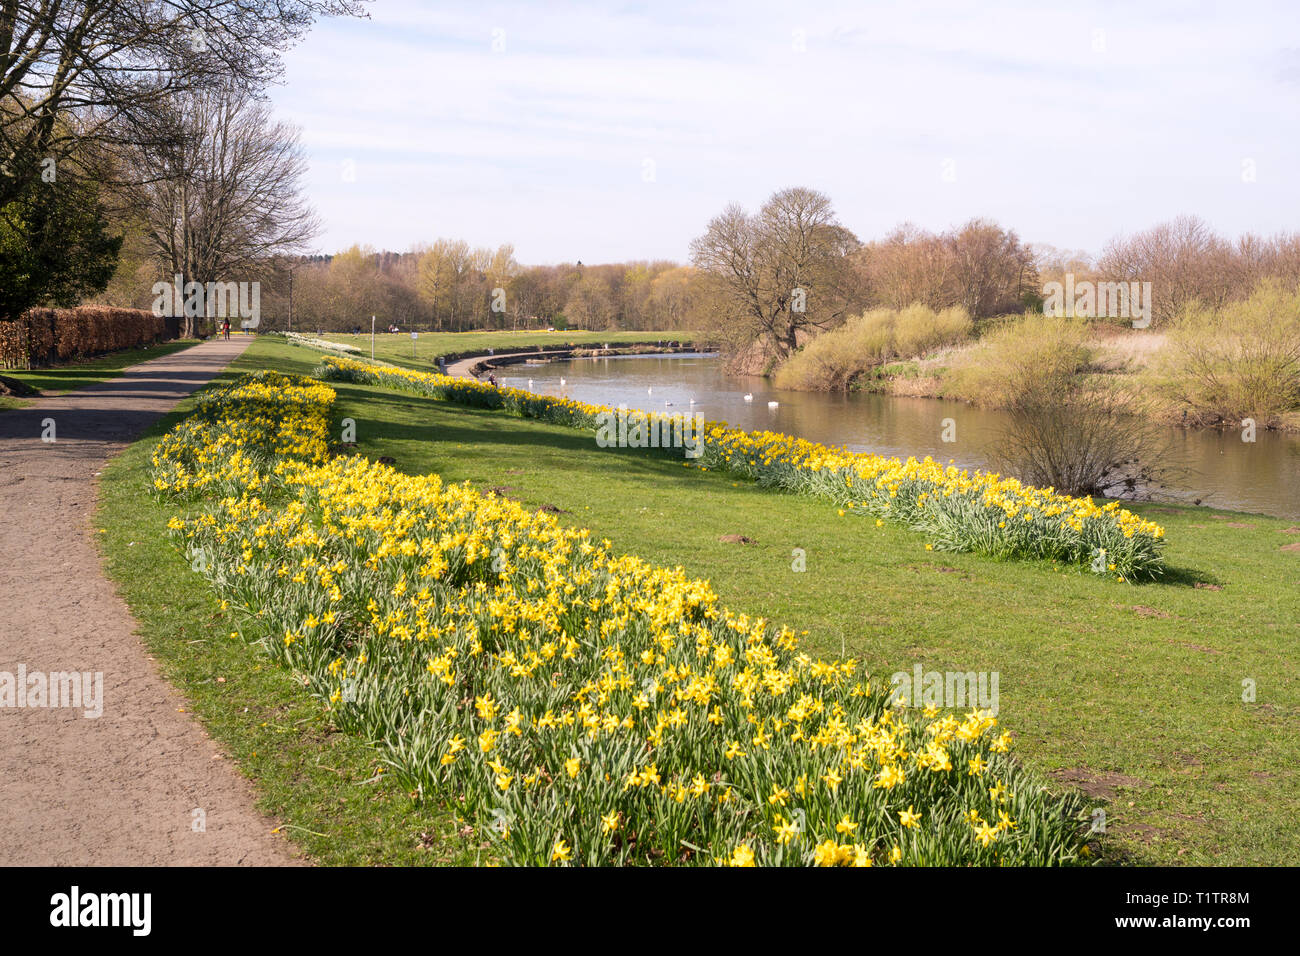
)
(119, 789)
(463, 368)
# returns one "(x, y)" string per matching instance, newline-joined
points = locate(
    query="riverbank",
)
(1203, 466)
(1132, 694)
(478, 366)
(1212, 371)
(424, 351)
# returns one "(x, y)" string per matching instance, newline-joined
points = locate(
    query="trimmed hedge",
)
(48, 336)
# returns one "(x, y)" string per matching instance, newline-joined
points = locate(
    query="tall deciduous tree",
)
(779, 272)
(992, 269)
(1183, 259)
(219, 186)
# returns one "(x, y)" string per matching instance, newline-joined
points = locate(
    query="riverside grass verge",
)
(619, 714)
(398, 348)
(980, 512)
(1134, 697)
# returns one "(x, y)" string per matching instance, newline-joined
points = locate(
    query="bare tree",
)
(671, 301)
(591, 303)
(780, 272)
(440, 279)
(1183, 259)
(72, 70)
(220, 188)
(908, 266)
(979, 266)
(992, 270)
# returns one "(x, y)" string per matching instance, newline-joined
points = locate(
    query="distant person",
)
(225, 329)
(492, 380)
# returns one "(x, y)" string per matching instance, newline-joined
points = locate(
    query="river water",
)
(1215, 466)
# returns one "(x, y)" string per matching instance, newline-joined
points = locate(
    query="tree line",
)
(450, 286)
(772, 279)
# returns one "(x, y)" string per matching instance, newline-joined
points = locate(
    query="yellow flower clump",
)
(589, 707)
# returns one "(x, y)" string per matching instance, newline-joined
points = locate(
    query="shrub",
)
(832, 360)
(1021, 356)
(1240, 361)
(1069, 429)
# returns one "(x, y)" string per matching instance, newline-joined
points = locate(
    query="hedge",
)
(49, 336)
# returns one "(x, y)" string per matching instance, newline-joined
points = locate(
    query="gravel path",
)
(120, 789)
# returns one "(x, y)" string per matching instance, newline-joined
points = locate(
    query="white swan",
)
(562, 383)
(749, 398)
(773, 404)
(530, 385)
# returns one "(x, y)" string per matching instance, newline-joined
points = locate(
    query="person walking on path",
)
(225, 328)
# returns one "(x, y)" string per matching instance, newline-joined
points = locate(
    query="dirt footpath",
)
(120, 789)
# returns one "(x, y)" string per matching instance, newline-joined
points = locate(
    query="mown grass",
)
(397, 347)
(67, 378)
(1135, 692)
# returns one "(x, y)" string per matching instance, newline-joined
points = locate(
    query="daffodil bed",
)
(958, 510)
(317, 344)
(578, 706)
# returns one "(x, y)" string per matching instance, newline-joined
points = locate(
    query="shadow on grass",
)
(1176, 577)
(491, 428)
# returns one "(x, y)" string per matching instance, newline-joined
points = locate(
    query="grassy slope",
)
(396, 348)
(1095, 677)
(67, 378)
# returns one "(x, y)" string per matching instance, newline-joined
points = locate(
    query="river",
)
(1215, 466)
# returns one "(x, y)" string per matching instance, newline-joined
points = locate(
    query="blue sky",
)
(608, 132)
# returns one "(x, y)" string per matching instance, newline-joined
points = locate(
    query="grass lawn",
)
(68, 378)
(1133, 693)
(396, 348)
